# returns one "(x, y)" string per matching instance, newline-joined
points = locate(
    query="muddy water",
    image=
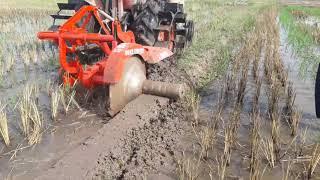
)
(304, 89)
(35, 62)
(58, 139)
(24, 60)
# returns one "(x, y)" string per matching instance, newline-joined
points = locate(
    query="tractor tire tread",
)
(317, 93)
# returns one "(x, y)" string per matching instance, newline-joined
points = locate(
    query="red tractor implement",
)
(108, 56)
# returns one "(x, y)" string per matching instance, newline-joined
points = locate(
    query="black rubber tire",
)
(190, 34)
(317, 93)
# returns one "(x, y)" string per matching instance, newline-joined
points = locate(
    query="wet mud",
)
(25, 162)
(148, 152)
(91, 157)
(151, 151)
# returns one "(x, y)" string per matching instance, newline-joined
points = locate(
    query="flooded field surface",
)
(304, 88)
(257, 122)
(27, 62)
(25, 162)
(263, 113)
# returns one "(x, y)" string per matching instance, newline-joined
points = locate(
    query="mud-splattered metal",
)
(117, 45)
(125, 79)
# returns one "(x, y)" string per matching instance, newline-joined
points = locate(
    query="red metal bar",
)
(79, 36)
(86, 21)
(70, 36)
(87, 37)
(48, 35)
(63, 58)
(96, 14)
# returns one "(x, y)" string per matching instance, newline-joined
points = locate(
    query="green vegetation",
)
(30, 4)
(302, 37)
(312, 11)
(299, 35)
(221, 28)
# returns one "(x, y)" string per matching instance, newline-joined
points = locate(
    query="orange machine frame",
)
(118, 47)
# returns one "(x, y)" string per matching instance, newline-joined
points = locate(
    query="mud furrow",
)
(81, 162)
(148, 150)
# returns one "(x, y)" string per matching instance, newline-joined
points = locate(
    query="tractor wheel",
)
(129, 87)
(190, 32)
(317, 93)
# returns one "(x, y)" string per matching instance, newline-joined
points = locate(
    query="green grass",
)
(298, 35)
(301, 38)
(313, 11)
(221, 28)
(30, 4)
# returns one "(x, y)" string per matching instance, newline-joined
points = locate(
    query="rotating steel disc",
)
(129, 87)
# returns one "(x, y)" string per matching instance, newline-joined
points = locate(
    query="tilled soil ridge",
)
(147, 152)
(81, 162)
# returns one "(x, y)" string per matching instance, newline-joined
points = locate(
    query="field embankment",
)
(311, 3)
(302, 25)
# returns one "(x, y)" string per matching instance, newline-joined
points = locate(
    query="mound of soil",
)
(167, 71)
(149, 149)
(142, 141)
